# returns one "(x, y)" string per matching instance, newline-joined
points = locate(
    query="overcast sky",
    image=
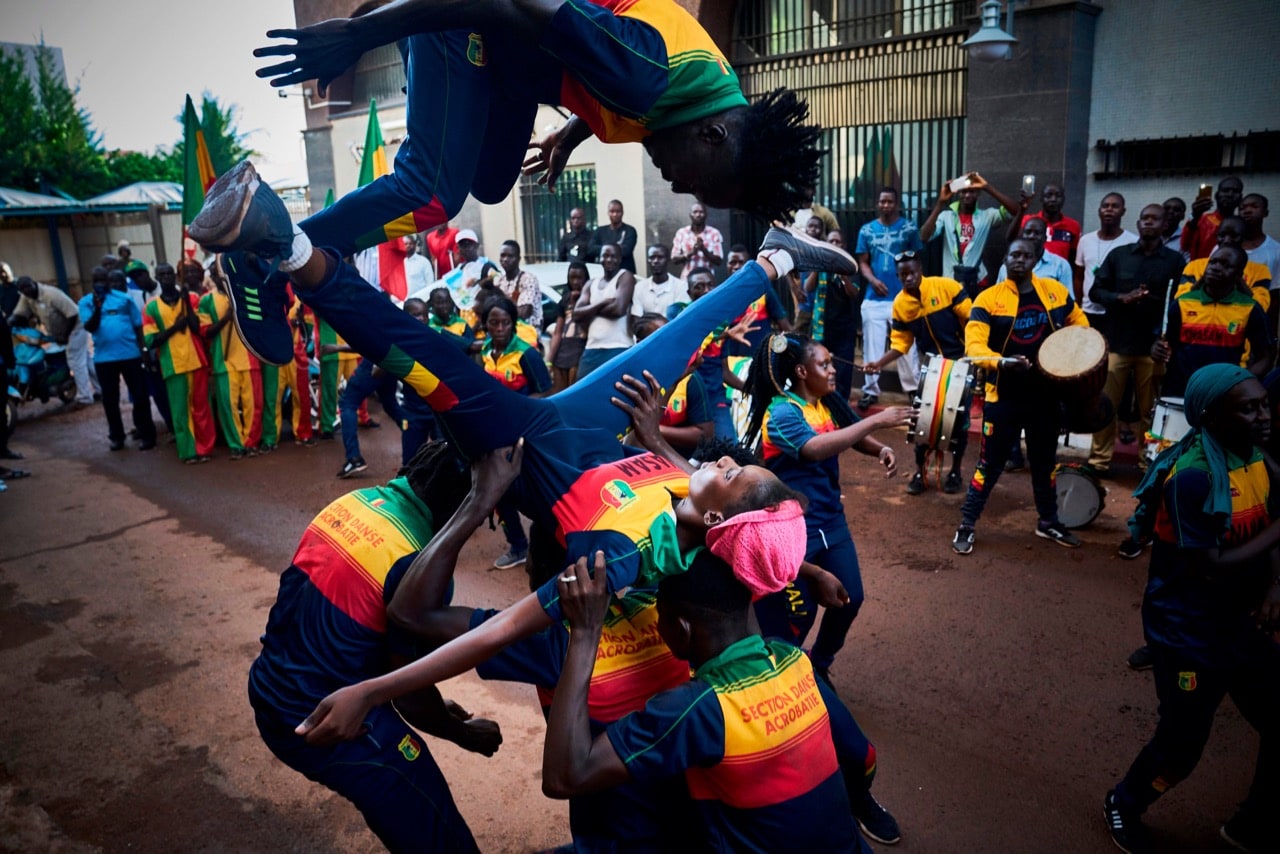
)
(135, 62)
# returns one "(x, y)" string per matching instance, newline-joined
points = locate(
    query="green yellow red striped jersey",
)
(226, 350)
(697, 81)
(182, 353)
(752, 735)
(1208, 616)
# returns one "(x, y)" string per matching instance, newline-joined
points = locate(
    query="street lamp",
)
(990, 42)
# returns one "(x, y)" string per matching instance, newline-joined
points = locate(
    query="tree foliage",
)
(47, 140)
(225, 141)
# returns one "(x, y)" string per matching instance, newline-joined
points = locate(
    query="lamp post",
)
(990, 42)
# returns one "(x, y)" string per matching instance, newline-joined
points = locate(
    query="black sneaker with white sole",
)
(1127, 830)
(916, 485)
(1130, 549)
(1140, 659)
(810, 253)
(876, 822)
(962, 542)
(1057, 532)
(1249, 832)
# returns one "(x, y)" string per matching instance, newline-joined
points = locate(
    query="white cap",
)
(466, 234)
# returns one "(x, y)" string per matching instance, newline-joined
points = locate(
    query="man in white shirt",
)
(417, 268)
(1094, 247)
(660, 290)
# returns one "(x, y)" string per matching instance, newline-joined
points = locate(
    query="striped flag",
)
(197, 168)
(390, 251)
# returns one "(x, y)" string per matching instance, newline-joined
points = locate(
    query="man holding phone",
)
(1200, 235)
(955, 215)
(1062, 233)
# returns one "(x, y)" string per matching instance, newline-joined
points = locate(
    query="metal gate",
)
(546, 215)
(887, 81)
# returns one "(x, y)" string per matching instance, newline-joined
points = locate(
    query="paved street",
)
(133, 590)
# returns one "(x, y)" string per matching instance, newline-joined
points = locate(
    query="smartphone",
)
(1028, 185)
(961, 183)
(1206, 192)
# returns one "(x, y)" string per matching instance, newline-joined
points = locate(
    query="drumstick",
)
(1164, 319)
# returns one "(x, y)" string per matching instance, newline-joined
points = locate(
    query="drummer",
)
(1213, 322)
(1009, 321)
(931, 313)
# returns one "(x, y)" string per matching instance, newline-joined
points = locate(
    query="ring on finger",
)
(568, 578)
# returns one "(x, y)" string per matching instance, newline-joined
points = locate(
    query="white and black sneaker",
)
(810, 253)
(962, 542)
(352, 467)
(1057, 532)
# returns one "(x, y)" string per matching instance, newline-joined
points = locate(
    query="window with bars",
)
(379, 76)
(772, 28)
(546, 215)
(1256, 151)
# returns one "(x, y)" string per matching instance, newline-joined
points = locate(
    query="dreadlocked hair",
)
(712, 448)
(438, 475)
(770, 375)
(777, 157)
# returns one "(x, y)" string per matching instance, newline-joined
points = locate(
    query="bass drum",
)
(1080, 496)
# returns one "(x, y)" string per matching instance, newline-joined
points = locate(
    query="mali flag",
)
(391, 254)
(197, 168)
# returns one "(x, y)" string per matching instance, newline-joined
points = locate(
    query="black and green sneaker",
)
(260, 301)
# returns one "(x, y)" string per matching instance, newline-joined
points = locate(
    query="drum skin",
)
(946, 390)
(1074, 359)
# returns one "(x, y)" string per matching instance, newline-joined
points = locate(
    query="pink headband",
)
(764, 547)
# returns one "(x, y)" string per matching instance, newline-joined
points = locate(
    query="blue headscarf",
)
(1204, 388)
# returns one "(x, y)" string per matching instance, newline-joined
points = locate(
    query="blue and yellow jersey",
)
(519, 367)
(687, 404)
(991, 321)
(1207, 616)
(1205, 331)
(329, 624)
(934, 321)
(670, 73)
(1257, 278)
(752, 736)
(788, 424)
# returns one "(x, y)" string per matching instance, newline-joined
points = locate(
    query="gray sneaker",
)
(241, 212)
(511, 558)
(809, 253)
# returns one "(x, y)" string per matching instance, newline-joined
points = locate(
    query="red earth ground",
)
(133, 590)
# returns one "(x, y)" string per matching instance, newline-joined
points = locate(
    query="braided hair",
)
(773, 368)
(438, 475)
(778, 156)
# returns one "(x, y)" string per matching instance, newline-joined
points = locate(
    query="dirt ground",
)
(133, 590)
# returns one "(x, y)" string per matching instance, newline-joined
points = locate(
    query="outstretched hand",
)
(320, 52)
(339, 717)
(550, 158)
(645, 404)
